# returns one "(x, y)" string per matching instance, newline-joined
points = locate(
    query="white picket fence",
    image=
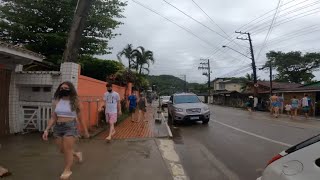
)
(35, 117)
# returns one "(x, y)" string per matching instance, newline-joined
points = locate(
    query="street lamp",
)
(224, 46)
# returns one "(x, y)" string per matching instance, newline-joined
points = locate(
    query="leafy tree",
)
(125, 76)
(128, 53)
(98, 68)
(142, 57)
(245, 81)
(198, 88)
(141, 82)
(294, 66)
(43, 26)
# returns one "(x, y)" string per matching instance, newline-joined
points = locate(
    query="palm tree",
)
(142, 57)
(248, 78)
(127, 52)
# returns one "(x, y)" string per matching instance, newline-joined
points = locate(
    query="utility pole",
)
(270, 66)
(254, 68)
(270, 71)
(185, 83)
(184, 78)
(78, 24)
(206, 66)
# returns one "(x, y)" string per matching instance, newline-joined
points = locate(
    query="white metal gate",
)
(35, 118)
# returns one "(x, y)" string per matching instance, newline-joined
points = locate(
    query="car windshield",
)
(186, 99)
(304, 144)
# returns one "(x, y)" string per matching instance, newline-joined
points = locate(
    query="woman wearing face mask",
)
(65, 116)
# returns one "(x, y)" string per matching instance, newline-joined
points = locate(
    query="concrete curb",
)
(97, 132)
(168, 128)
(171, 159)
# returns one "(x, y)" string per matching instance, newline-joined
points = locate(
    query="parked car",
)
(187, 107)
(300, 162)
(164, 101)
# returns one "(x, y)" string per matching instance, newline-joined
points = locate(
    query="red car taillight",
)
(278, 156)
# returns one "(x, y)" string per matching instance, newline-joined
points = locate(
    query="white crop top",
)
(63, 109)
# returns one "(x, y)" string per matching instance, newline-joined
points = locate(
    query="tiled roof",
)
(279, 85)
(39, 72)
(300, 89)
(20, 49)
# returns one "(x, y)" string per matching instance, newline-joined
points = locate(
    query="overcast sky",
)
(178, 52)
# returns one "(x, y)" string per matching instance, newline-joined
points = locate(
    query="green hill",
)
(168, 84)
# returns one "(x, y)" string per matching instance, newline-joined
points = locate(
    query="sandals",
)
(6, 174)
(108, 139)
(79, 155)
(65, 175)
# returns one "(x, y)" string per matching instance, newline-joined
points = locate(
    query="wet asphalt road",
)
(235, 144)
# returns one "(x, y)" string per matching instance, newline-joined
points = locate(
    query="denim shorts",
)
(62, 129)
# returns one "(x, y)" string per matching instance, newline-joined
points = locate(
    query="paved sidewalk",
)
(134, 154)
(131, 130)
(128, 129)
(28, 157)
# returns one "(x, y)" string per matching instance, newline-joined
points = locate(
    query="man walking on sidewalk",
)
(132, 106)
(112, 108)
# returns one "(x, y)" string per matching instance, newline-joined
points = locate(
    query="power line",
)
(238, 69)
(225, 37)
(233, 73)
(287, 19)
(195, 20)
(297, 16)
(297, 43)
(210, 19)
(184, 28)
(295, 32)
(270, 29)
(289, 37)
(264, 18)
(230, 38)
(264, 15)
(282, 15)
(257, 19)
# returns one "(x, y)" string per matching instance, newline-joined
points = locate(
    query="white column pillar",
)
(69, 72)
(15, 123)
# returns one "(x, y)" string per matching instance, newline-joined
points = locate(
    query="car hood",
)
(164, 100)
(190, 105)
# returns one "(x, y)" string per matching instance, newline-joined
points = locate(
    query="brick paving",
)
(128, 129)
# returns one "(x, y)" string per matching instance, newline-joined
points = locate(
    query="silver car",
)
(300, 162)
(164, 101)
(187, 107)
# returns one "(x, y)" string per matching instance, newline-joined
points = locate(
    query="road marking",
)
(168, 128)
(172, 158)
(255, 135)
